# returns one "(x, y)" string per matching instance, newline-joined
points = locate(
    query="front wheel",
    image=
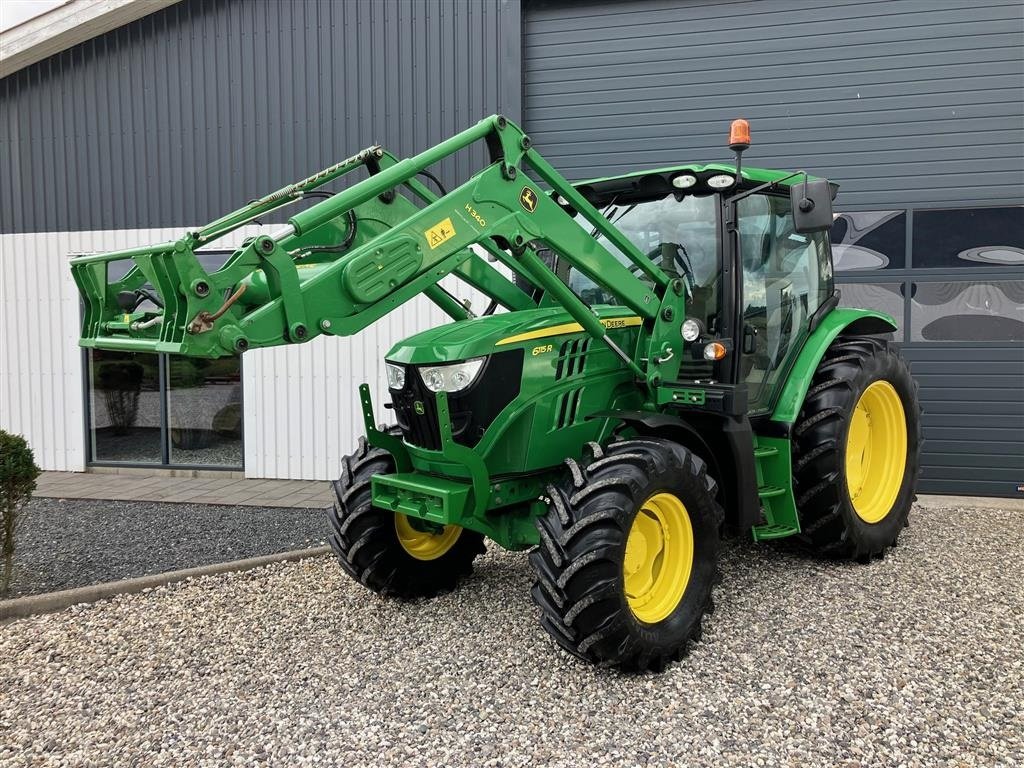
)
(856, 450)
(628, 555)
(390, 553)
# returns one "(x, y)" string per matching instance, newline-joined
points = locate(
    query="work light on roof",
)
(684, 181)
(721, 181)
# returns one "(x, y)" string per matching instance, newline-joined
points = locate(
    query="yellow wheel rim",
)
(659, 558)
(876, 452)
(423, 545)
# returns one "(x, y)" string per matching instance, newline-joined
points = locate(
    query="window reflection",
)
(968, 311)
(969, 237)
(204, 411)
(866, 240)
(124, 400)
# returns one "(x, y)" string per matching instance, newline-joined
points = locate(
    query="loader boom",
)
(420, 238)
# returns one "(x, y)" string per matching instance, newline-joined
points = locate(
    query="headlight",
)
(684, 181)
(691, 329)
(721, 181)
(396, 375)
(451, 378)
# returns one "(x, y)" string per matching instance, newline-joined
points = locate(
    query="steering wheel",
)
(682, 259)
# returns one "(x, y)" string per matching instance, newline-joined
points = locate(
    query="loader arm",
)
(292, 285)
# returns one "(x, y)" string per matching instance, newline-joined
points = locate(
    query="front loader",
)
(668, 363)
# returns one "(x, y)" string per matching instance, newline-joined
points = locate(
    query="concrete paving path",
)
(205, 488)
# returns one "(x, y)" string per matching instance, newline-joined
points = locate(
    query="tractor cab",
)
(701, 227)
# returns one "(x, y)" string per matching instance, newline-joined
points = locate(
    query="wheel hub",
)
(658, 558)
(425, 545)
(876, 451)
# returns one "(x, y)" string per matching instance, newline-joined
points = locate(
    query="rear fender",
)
(838, 322)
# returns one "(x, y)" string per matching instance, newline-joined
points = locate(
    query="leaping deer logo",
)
(529, 199)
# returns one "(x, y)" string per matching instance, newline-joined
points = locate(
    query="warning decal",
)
(439, 233)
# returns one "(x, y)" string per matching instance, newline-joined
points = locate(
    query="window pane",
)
(204, 411)
(882, 297)
(969, 237)
(680, 236)
(866, 240)
(954, 311)
(786, 277)
(124, 407)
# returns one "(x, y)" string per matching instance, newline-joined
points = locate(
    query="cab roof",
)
(657, 182)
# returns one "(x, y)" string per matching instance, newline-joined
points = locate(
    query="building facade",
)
(162, 124)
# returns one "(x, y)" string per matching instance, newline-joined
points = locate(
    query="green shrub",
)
(18, 473)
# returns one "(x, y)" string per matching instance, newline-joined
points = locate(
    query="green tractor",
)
(662, 361)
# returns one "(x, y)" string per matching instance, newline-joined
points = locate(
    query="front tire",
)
(856, 450)
(628, 555)
(388, 552)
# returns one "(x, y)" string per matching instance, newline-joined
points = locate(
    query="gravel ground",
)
(67, 543)
(914, 660)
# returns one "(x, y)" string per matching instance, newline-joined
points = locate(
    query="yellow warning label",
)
(439, 233)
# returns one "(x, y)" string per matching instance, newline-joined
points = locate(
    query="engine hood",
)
(483, 335)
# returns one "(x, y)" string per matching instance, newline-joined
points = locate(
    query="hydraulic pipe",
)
(379, 183)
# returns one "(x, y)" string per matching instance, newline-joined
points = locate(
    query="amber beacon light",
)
(739, 140)
(739, 135)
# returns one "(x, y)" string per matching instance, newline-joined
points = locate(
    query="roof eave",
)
(67, 25)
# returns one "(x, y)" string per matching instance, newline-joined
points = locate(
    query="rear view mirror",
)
(812, 205)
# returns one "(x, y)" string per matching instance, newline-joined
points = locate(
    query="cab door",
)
(786, 276)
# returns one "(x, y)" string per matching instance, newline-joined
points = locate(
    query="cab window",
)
(680, 236)
(786, 277)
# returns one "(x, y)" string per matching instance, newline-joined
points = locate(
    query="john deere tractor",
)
(662, 360)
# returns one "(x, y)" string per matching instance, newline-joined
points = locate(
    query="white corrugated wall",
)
(301, 411)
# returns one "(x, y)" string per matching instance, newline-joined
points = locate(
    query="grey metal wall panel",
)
(193, 110)
(973, 421)
(904, 103)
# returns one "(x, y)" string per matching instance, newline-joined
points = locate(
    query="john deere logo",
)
(418, 407)
(529, 199)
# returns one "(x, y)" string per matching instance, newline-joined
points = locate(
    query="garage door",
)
(914, 110)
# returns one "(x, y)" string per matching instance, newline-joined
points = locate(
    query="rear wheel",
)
(390, 553)
(856, 450)
(628, 555)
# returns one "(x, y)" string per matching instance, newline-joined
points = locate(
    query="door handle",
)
(749, 338)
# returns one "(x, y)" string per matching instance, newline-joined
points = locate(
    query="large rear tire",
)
(390, 553)
(628, 555)
(856, 450)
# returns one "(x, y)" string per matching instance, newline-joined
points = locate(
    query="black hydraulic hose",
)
(436, 181)
(345, 244)
(145, 293)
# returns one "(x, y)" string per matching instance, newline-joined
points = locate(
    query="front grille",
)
(572, 356)
(472, 410)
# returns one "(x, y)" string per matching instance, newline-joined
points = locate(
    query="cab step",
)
(775, 489)
(766, 532)
(770, 491)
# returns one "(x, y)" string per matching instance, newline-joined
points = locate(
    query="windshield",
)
(680, 236)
